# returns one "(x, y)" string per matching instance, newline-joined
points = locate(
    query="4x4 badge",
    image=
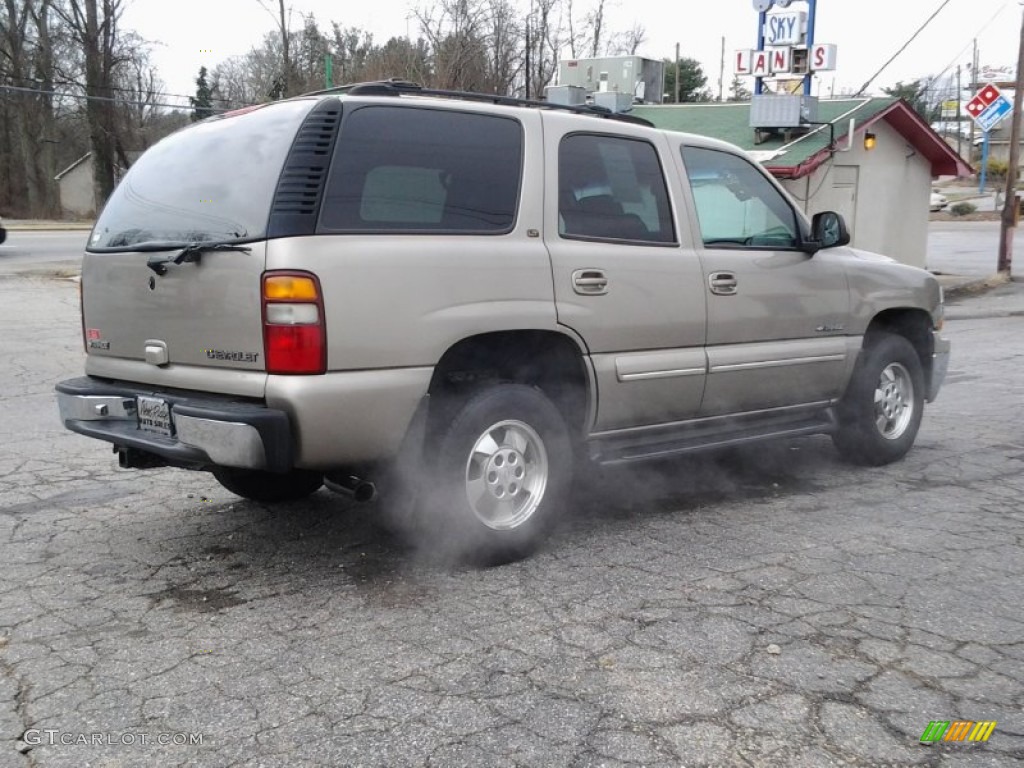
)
(95, 339)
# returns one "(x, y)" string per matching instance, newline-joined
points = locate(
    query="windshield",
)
(212, 182)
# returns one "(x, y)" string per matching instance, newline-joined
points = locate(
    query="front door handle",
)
(590, 282)
(723, 283)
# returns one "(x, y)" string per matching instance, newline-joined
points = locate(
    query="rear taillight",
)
(294, 337)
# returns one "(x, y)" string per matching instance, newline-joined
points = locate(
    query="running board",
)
(705, 435)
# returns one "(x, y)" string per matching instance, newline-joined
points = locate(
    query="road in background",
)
(954, 248)
(969, 248)
(42, 249)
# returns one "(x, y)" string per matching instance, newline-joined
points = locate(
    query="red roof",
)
(902, 118)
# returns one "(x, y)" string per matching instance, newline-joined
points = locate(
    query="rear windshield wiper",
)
(190, 254)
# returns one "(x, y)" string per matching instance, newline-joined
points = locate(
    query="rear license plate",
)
(154, 415)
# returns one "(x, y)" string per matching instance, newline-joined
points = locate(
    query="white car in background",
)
(938, 201)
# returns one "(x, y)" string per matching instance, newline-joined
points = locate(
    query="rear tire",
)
(880, 414)
(500, 478)
(269, 487)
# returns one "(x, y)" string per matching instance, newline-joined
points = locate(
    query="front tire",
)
(501, 475)
(269, 487)
(881, 411)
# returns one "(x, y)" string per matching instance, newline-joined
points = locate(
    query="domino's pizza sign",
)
(989, 107)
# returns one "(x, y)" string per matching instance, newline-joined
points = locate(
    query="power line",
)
(974, 37)
(81, 97)
(904, 47)
(118, 89)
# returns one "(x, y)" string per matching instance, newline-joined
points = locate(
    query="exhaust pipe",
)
(133, 458)
(362, 491)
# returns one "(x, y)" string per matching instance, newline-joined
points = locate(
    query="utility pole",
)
(677, 73)
(721, 74)
(974, 88)
(528, 53)
(959, 133)
(1009, 223)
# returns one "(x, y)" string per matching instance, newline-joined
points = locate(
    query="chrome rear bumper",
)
(207, 431)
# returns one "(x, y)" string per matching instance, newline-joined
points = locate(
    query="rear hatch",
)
(171, 292)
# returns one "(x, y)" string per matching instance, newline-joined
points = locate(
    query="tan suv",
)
(483, 290)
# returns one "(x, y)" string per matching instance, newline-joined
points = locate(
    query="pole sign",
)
(785, 61)
(786, 44)
(995, 114)
(988, 108)
(785, 28)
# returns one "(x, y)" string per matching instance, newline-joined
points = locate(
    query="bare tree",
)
(27, 132)
(48, 199)
(574, 40)
(485, 45)
(13, 54)
(627, 43)
(93, 24)
(595, 22)
(139, 86)
(586, 37)
(234, 83)
(399, 58)
(455, 31)
(503, 51)
(252, 78)
(546, 44)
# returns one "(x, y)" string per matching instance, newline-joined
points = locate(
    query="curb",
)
(974, 287)
(48, 226)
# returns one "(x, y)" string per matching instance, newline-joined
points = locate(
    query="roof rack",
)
(397, 87)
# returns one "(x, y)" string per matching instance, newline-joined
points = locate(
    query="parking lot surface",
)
(766, 607)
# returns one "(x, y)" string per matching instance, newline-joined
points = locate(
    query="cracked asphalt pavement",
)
(770, 606)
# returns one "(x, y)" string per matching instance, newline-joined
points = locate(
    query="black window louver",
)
(301, 185)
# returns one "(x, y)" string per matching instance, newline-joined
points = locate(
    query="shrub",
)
(996, 169)
(962, 209)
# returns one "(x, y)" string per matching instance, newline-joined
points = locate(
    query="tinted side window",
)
(403, 169)
(612, 188)
(736, 205)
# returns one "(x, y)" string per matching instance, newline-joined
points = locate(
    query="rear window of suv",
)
(411, 169)
(211, 182)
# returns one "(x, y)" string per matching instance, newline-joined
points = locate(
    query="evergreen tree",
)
(692, 81)
(202, 102)
(738, 91)
(917, 95)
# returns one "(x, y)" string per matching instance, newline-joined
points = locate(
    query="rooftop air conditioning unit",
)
(783, 111)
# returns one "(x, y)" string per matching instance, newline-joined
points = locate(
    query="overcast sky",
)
(190, 33)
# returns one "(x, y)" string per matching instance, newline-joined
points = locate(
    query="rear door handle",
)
(590, 282)
(723, 283)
